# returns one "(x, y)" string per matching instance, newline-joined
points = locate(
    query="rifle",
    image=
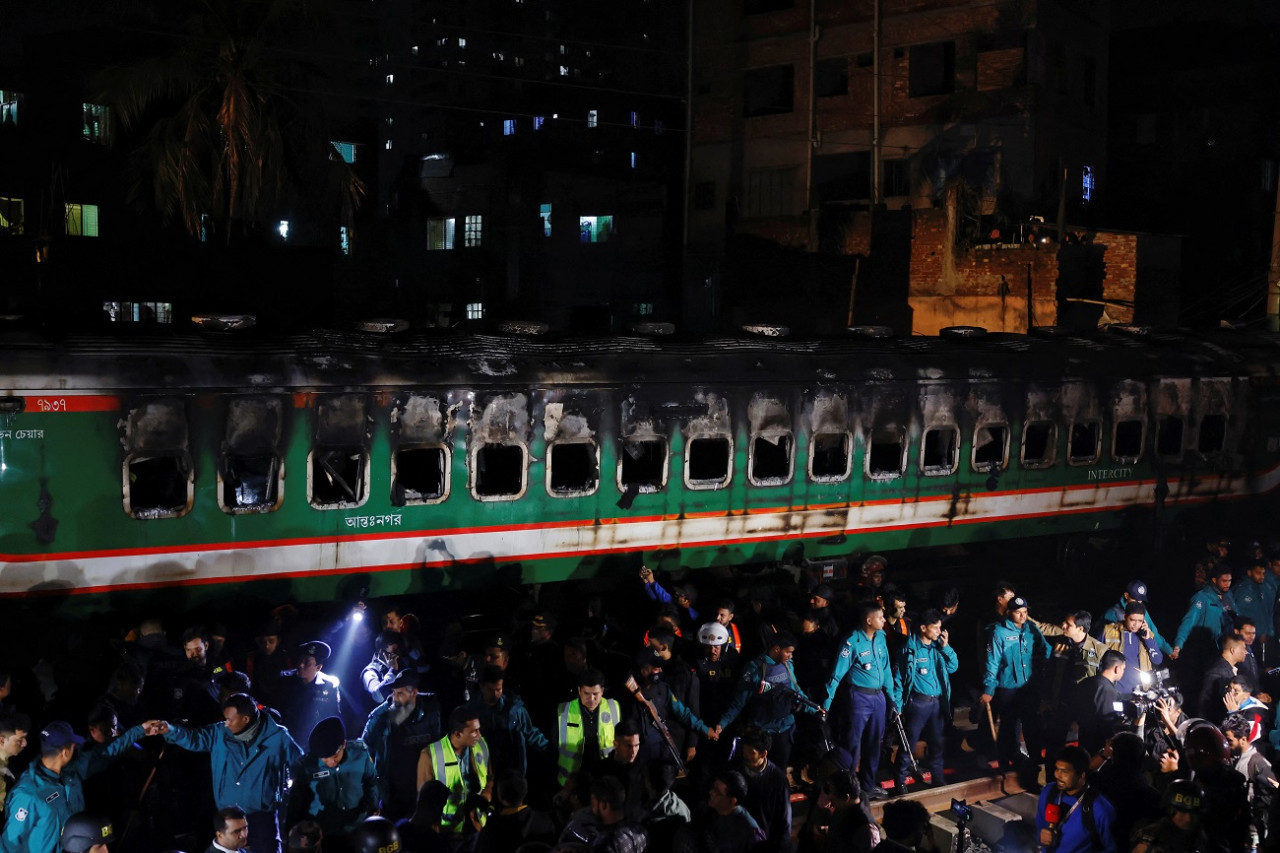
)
(658, 722)
(906, 745)
(802, 700)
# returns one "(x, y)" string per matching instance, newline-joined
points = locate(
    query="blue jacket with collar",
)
(1011, 654)
(252, 775)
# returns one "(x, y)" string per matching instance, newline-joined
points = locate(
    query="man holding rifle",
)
(922, 683)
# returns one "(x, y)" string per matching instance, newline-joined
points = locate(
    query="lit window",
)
(593, 118)
(562, 50)
(633, 159)
(344, 240)
(519, 61)
(439, 234)
(462, 42)
(388, 145)
(475, 310)
(564, 71)
(414, 50)
(472, 228)
(138, 312)
(82, 220)
(12, 215)
(544, 211)
(391, 78)
(635, 118)
(95, 122)
(283, 228)
(642, 309)
(595, 229)
(1087, 184)
(346, 150)
(537, 122)
(204, 228)
(10, 102)
(508, 127)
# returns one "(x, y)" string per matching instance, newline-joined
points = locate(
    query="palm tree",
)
(225, 132)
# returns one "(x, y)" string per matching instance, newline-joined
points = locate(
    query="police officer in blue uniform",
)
(862, 669)
(922, 687)
(1013, 646)
(314, 694)
(333, 783)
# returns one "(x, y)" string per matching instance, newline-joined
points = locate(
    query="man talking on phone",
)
(1135, 640)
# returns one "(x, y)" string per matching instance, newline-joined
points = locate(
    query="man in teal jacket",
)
(1209, 617)
(250, 755)
(1013, 646)
(334, 783)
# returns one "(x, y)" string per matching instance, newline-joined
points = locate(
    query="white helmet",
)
(713, 634)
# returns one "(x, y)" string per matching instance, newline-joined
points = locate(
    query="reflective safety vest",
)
(570, 757)
(446, 768)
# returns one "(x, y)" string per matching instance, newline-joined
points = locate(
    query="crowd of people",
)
(724, 717)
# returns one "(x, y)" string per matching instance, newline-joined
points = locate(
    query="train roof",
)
(161, 358)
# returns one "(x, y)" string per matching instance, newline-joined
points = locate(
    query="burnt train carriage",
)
(418, 462)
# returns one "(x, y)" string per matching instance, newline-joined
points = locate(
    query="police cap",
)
(84, 830)
(316, 649)
(1017, 603)
(823, 591)
(375, 835)
(327, 737)
(1137, 591)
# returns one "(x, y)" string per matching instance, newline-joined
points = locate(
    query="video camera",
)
(961, 811)
(1153, 686)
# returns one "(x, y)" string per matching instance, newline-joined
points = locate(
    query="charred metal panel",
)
(989, 449)
(573, 462)
(1039, 445)
(498, 448)
(1083, 415)
(158, 476)
(643, 452)
(1213, 412)
(771, 456)
(1171, 406)
(940, 432)
(338, 467)
(1129, 420)
(422, 427)
(830, 437)
(708, 444)
(250, 463)
(884, 419)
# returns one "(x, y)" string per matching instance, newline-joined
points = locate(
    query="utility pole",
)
(812, 241)
(876, 194)
(1273, 270)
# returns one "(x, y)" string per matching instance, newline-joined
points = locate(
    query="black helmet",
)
(1185, 796)
(83, 830)
(375, 835)
(1205, 746)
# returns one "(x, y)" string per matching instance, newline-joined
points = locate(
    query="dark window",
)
(757, 7)
(1213, 435)
(1084, 443)
(574, 468)
(932, 69)
(337, 476)
(770, 192)
(499, 470)
(643, 464)
(704, 195)
(863, 60)
(771, 460)
(158, 485)
(250, 482)
(708, 461)
(768, 91)
(897, 177)
(1128, 440)
(884, 457)
(989, 447)
(1169, 438)
(829, 456)
(831, 77)
(1039, 444)
(421, 475)
(938, 450)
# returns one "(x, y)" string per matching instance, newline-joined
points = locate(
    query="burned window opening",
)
(500, 471)
(1169, 438)
(643, 465)
(420, 475)
(158, 486)
(939, 451)
(338, 477)
(1085, 437)
(574, 468)
(1213, 435)
(1126, 445)
(885, 454)
(989, 447)
(829, 456)
(250, 482)
(707, 462)
(771, 460)
(1039, 444)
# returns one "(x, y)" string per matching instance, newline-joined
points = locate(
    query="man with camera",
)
(1099, 712)
(1216, 678)
(1071, 816)
(1136, 641)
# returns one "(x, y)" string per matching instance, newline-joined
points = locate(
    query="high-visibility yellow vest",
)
(570, 758)
(445, 767)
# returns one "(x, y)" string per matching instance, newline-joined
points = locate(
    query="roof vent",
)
(523, 327)
(965, 332)
(766, 331)
(1048, 332)
(871, 331)
(382, 325)
(1129, 329)
(648, 328)
(225, 322)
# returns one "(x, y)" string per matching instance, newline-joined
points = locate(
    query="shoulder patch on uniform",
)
(52, 797)
(320, 775)
(20, 815)
(1199, 605)
(844, 653)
